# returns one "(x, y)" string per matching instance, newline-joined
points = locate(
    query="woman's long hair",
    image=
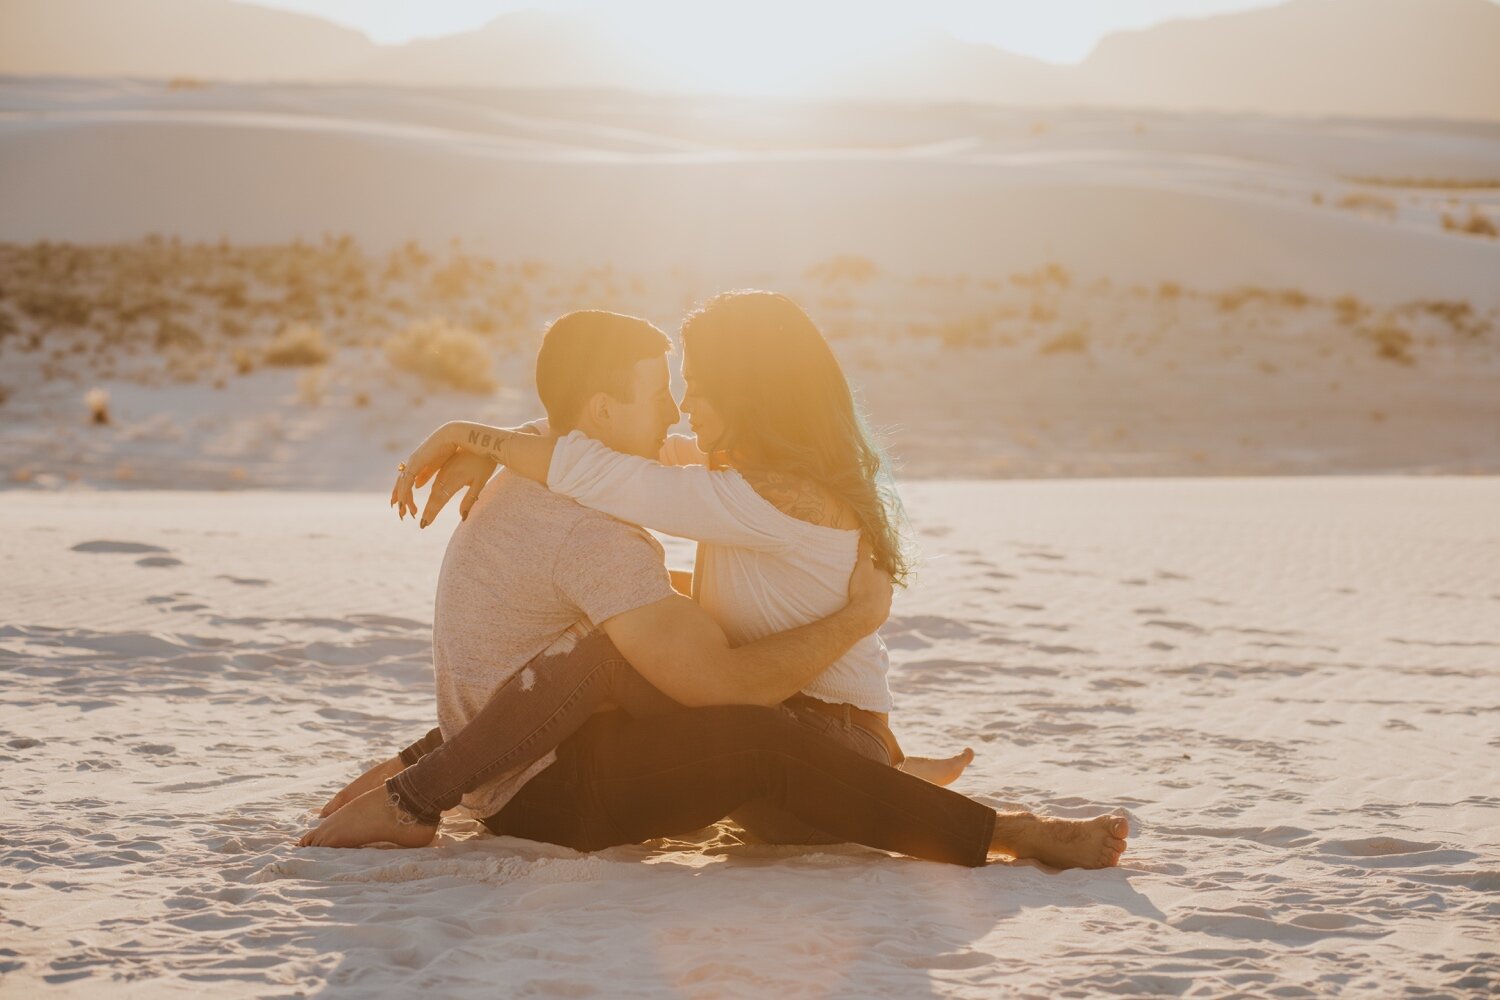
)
(787, 408)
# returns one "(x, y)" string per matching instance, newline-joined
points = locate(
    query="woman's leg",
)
(624, 780)
(529, 715)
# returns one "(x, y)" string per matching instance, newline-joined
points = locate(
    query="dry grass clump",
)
(442, 353)
(1433, 183)
(54, 307)
(1459, 315)
(1350, 309)
(174, 336)
(297, 345)
(1391, 342)
(1477, 224)
(845, 268)
(1071, 342)
(1369, 202)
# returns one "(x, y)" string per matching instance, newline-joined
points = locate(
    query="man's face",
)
(640, 426)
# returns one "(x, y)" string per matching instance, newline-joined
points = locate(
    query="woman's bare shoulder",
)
(797, 497)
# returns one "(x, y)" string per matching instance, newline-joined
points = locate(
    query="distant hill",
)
(519, 49)
(214, 39)
(1353, 57)
(938, 67)
(1346, 57)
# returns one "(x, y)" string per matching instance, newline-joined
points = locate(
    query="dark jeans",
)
(622, 780)
(548, 701)
(527, 716)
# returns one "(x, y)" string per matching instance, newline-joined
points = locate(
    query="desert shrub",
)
(1477, 224)
(1366, 201)
(54, 307)
(843, 268)
(172, 335)
(1350, 310)
(1457, 314)
(186, 83)
(1235, 299)
(442, 353)
(297, 344)
(1071, 342)
(1169, 290)
(1391, 342)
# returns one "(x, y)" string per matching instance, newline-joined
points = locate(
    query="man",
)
(528, 570)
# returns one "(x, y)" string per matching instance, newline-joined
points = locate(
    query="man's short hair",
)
(591, 351)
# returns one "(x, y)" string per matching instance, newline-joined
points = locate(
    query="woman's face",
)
(707, 425)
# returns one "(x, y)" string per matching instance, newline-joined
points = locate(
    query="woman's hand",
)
(432, 456)
(464, 471)
(423, 464)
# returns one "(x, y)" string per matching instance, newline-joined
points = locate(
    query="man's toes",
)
(1120, 827)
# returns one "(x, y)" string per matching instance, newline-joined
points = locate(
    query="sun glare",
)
(780, 49)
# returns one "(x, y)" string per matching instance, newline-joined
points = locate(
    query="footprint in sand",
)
(127, 548)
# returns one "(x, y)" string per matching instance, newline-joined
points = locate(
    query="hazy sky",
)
(1056, 30)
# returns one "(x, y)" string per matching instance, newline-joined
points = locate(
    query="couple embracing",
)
(589, 697)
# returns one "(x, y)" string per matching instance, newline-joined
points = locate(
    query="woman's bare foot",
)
(373, 778)
(1062, 843)
(372, 818)
(939, 770)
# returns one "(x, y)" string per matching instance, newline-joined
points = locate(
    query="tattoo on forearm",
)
(489, 445)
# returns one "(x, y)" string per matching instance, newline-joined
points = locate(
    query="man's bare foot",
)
(372, 818)
(939, 770)
(373, 778)
(1062, 843)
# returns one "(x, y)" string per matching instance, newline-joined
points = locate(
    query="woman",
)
(778, 492)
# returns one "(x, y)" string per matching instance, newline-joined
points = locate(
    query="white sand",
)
(1291, 684)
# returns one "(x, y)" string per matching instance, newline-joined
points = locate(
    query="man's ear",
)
(599, 408)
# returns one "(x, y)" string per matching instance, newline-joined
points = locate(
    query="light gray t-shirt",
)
(529, 572)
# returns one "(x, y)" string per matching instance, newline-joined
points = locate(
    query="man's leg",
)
(624, 780)
(525, 718)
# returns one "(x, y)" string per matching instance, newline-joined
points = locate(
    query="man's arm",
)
(676, 646)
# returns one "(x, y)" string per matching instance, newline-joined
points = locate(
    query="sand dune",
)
(1371, 58)
(1207, 201)
(1277, 679)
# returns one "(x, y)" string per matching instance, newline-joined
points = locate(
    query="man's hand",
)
(464, 471)
(870, 590)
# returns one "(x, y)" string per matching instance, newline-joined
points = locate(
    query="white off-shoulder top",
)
(758, 570)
